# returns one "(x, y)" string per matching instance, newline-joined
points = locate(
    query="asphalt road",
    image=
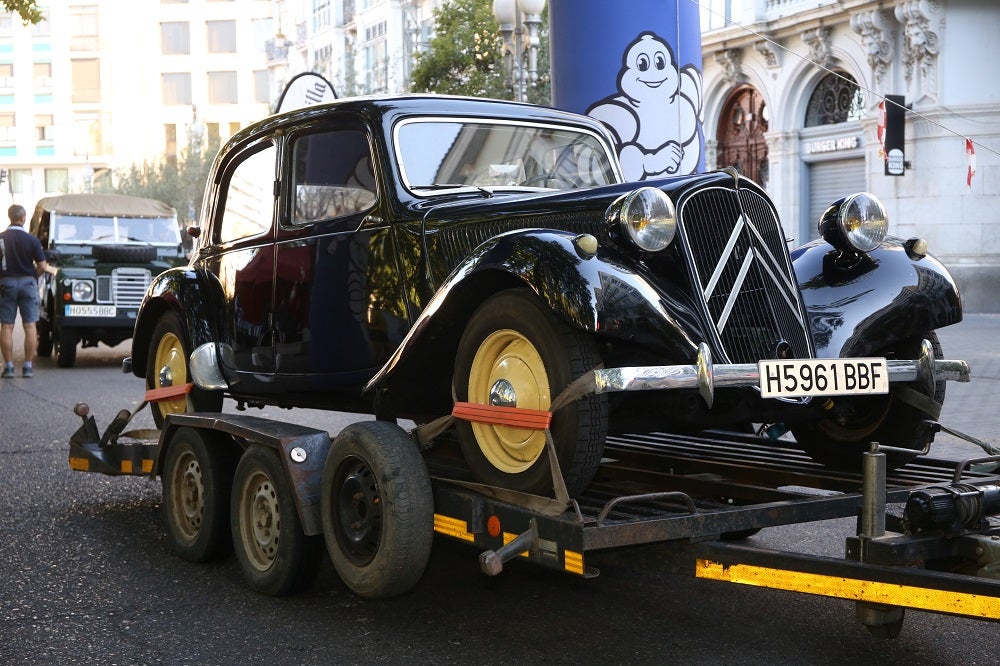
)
(87, 579)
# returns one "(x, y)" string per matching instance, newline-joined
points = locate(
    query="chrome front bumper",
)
(706, 376)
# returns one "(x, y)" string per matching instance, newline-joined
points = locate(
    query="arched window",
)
(836, 99)
(740, 137)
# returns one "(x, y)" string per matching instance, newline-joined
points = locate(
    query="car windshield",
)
(87, 229)
(438, 154)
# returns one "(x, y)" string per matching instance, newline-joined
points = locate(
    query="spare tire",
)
(131, 254)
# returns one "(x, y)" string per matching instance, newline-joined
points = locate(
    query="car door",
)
(337, 302)
(242, 258)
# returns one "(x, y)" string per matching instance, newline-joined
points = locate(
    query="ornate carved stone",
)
(878, 33)
(770, 52)
(921, 22)
(820, 45)
(731, 62)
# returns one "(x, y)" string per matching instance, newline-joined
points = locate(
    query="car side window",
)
(249, 199)
(332, 175)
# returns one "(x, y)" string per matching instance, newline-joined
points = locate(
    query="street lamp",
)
(519, 21)
(196, 132)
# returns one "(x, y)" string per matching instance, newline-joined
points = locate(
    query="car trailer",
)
(926, 537)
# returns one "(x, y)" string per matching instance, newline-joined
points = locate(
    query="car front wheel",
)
(516, 353)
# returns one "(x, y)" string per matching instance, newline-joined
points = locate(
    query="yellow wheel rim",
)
(170, 370)
(507, 364)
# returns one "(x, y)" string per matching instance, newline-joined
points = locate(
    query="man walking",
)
(22, 261)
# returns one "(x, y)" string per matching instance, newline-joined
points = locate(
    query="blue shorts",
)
(19, 293)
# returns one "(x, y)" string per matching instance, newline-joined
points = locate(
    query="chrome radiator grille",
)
(128, 285)
(740, 266)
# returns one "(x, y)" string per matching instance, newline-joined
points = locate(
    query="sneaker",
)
(27, 372)
(8, 372)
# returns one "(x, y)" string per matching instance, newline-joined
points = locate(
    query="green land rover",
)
(106, 249)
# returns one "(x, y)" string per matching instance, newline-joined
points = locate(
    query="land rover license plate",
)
(90, 311)
(799, 378)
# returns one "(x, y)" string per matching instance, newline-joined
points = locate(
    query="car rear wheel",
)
(840, 440)
(516, 353)
(167, 365)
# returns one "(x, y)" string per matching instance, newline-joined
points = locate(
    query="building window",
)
(175, 38)
(836, 99)
(6, 24)
(6, 75)
(261, 87)
(233, 128)
(320, 15)
(57, 180)
(42, 28)
(262, 31)
(43, 74)
(87, 135)
(221, 36)
(212, 131)
(177, 88)
(20, 181)
(8, 133)
(83, 35)
(170, 143)
(43, 127)
(222, 88)
(86, 80)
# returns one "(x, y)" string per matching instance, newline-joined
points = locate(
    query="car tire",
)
(840, 442)
(377, 509)
(167, 365)
(514, 340)
(45, 343)
(276, 556)
(125, 254)
(66, 352)
(197, 479)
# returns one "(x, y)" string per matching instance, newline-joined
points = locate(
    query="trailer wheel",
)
(840, 440)
(167, 365)
(197, 478)
(276, 556)
(515, 352)
(378, 509)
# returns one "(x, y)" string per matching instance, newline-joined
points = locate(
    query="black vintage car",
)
(401, 256)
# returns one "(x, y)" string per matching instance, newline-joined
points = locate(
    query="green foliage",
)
(180, 182)
(26, 9)
(465, 55)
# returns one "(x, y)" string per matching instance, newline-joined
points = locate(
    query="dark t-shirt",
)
(18, 250)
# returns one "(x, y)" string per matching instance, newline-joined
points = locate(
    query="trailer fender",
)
(887, 296)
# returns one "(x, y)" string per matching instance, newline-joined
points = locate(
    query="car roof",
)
(103, 205)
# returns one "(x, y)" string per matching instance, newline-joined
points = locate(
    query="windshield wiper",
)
(453, 186)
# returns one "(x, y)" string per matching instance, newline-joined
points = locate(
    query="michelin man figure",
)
(655, 116)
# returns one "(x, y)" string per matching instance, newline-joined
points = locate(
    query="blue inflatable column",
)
(636, 66)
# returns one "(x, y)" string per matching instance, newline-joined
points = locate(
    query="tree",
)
(180, 182)
(465, 55)
(26, 9)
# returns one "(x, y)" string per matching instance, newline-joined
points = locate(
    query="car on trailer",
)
(106, 248)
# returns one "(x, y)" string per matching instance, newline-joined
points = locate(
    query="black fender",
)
(603, 294)
(196, 298)
(859, 307)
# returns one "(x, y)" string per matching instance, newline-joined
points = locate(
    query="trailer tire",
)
(377, 509)
(276, 556)
(197, 479)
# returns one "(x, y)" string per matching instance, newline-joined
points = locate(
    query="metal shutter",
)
(829, 181)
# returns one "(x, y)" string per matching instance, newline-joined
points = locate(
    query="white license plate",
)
(90, 311)
(800, 378)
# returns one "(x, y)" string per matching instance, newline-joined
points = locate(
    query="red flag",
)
(880, 130)
(970, 156)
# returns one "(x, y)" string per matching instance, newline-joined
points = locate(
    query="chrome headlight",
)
(857, 223)
(83, 291)
(647, 216)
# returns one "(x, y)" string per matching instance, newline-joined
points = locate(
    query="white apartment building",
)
(102, 84)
